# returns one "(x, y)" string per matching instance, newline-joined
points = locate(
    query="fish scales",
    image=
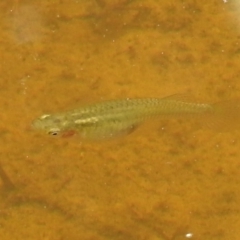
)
(110, 118)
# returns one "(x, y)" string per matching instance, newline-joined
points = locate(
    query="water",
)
(169, 182)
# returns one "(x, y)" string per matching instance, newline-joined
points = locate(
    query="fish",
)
(115, 117)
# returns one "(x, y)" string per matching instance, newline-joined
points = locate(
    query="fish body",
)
(110, 118)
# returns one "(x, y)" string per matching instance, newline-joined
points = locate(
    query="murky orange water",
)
(167, 181)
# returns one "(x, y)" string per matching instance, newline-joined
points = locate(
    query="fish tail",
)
(224, 116)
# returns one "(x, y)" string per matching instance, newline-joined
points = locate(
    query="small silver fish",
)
(111, 118)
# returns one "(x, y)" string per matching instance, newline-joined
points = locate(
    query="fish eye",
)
(54, 132)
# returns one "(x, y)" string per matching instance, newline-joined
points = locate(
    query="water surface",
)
(167, 181)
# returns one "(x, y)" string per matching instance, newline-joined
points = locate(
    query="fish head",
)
(52, 124)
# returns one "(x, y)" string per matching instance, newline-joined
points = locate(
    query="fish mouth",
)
(37, 124)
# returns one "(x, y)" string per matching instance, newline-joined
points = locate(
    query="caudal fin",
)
(225, 116)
